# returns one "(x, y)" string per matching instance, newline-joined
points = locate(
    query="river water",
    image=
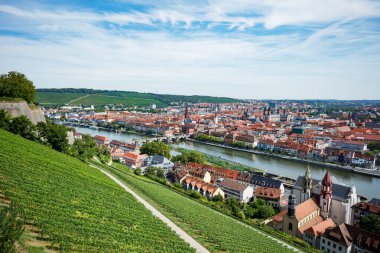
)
(365, 185)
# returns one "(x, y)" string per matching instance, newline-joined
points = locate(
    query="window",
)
(323, 240)
(290, 226)
(323, 247)
(328, 243)
(340, 248)
(334, 245)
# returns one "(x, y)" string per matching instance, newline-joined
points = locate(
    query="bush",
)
(195, 195)
(11, 228)
(137, 172)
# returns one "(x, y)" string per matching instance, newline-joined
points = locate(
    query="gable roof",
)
(345, 235)
(265, 182)
(320, 228)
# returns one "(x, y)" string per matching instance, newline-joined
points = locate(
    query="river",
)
(365, 185)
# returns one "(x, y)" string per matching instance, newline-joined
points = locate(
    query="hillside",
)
(128, 98)
(217, 232)
(74, 207)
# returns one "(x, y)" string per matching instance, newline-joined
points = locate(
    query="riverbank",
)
(374, 173)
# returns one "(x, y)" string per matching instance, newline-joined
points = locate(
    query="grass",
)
(77, 207)
(56, 98)
(97, 99)
(217, 232)
(9, 99)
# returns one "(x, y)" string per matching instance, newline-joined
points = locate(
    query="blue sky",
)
(289, 49)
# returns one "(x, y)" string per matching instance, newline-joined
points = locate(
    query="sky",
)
(252, 49)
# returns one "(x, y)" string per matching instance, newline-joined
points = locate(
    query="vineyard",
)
(77, 207)
(219, 233)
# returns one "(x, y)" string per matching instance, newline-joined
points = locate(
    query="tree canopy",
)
(17, 85)
(155, 148)
(371, 223)
(190, 156)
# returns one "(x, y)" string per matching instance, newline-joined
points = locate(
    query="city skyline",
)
(241, 49)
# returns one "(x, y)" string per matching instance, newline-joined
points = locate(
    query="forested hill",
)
(97, 97)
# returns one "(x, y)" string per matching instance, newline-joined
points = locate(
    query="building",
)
(101, 140)
(313, 234)
(206, 189)
(134, 160)
(159, 161)
(272, 196)
(236, 189)
(337, 199)
(262, 181)
(349, 239)
(363, 209)
(349, 145)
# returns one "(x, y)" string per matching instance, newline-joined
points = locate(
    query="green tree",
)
(217, 198)
(23, 127)
(11, 228)
(5, 120)
(371, 223)
(155, 148)
(16, 85)
(57, 137)
(137, 172)
(190, 156)
(150, 171)
(264, 212)
(160, 173)
(374, 145)
(84, 148)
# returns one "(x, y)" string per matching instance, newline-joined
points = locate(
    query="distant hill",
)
(74, 207)
(128, 98)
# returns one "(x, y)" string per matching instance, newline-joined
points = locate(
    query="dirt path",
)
(70, 102)
(186, 237)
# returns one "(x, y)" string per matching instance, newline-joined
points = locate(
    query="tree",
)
(155, 148)
(374, 145)
(190, 156)
(217, 198)
(137, 172)
(371, 223)
(5, 120)
(57, 137)
(16, 85)
(11, 228)
(24, 127)
(150, 171)
(84, 148)
(160, 173)
(264, 212)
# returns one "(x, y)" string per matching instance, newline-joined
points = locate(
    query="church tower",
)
(186, 112)
(307, 184)
(326, 195)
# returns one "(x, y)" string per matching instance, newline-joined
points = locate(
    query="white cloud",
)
(74, 50)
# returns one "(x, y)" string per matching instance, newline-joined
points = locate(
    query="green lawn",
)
(219, 233)
(77, 206)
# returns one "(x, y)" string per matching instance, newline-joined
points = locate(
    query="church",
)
(315, 206)
(335, 200)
